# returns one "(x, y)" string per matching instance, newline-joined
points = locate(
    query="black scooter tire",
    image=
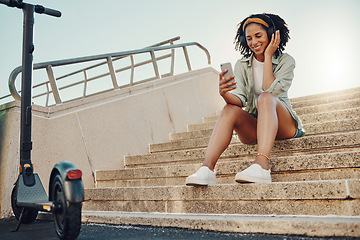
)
(29, 214)
(67, 218)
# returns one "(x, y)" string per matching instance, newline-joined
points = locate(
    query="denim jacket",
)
(283, 69)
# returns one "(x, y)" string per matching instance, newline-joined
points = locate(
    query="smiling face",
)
(257, 40)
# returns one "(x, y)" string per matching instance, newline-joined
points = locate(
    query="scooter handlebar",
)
(6, 2)
(38, 8)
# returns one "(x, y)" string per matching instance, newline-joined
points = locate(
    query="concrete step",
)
(322, 108)
(333, 95)
(196, 148)
(201, 133)
(330, 197)
(333, 126)
(326, 99)
(240, 223)
(318, 165)
(307, 116)
(331, 116)
(205, 129)
(314, 118)
(311, 129)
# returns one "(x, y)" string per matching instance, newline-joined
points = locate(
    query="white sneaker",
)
(203, 177)
(253, 174)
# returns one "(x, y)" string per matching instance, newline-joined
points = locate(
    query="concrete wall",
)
(96, 133)
(9, 153)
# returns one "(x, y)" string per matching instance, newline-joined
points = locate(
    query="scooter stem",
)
(26, 90)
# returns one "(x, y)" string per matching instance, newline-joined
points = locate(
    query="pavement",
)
(42, 229)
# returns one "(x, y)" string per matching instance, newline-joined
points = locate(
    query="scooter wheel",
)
(29, 214)
(67, 217)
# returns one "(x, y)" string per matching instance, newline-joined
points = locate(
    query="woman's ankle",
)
(212, 168)
(263, 162)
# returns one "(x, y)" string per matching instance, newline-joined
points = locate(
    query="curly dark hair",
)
(242, 46)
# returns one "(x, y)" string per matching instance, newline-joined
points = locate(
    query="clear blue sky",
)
(324, 34)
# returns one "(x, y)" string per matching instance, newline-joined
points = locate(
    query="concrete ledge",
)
(108, 96)
(270, 224)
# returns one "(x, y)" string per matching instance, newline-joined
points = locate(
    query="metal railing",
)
(51, 85)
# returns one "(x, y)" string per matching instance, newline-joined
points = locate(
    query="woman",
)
(262, 76)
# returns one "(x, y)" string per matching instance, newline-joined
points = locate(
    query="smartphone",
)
(227, 66)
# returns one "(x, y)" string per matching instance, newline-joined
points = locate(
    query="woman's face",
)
(257, 39)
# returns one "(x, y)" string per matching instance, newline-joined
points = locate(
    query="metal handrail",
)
(109, 58)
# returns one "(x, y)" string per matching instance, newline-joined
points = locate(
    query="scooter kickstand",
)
(20, 218)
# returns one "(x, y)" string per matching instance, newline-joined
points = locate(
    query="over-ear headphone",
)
(270, 30)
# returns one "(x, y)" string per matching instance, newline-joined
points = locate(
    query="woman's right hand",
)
(225, 85)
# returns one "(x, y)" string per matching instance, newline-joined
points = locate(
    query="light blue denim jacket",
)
(283, 68)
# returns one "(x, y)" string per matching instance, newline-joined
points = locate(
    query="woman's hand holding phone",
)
(227, 82)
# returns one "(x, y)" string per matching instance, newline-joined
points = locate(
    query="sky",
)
(324, 34)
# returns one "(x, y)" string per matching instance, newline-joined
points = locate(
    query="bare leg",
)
(232, 117)
(274, 121)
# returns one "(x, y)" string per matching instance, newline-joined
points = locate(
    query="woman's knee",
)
(231, 111)
(266, 100)
(240, 120)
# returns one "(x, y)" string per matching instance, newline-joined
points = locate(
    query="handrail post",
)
(156, 69)
(132, 70)
(85, 83)
(47, 94)
(53, 84)
(112, 72)
(172, 66)
(187, 58)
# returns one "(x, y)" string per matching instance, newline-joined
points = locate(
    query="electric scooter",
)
(66, 191)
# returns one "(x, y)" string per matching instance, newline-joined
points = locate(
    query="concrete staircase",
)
(315, 189)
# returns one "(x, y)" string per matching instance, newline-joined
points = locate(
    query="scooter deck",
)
(33, 196)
